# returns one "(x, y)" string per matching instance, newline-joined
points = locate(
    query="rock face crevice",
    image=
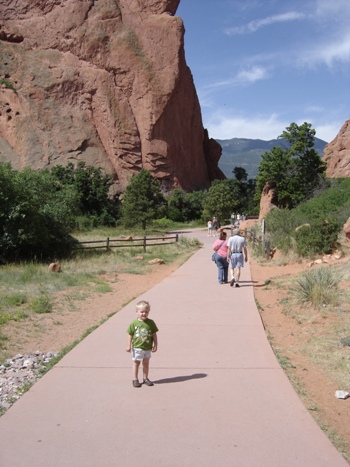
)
(105, 82)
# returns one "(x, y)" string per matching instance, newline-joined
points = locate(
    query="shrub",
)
(42, 304)
(163, 223)
(325, 213)
(318, 287)
(36, 215)
(317, 239)
(281, 224)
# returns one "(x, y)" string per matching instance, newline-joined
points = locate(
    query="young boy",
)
(142, 341)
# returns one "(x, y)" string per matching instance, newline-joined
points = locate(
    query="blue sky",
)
(259, 65)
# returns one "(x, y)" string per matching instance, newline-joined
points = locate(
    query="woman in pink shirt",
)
(220, 248)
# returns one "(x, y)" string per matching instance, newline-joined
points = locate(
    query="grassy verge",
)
(29, 289)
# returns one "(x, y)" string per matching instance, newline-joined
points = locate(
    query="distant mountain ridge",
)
(246, 153)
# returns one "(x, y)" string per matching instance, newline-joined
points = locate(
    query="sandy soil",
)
(287, 335)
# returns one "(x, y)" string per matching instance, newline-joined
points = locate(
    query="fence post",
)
(177, 237)
(268, 248)
(144, 243)
(107, 243)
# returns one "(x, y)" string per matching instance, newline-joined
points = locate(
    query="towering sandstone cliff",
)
(337, 154)
(105, 82)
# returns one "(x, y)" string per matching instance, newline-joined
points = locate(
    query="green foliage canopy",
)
(36, 215)
(185, 207)
(143, 200)
(246, 189)
(222, 199)
(297, 170)
(92, 188)
(312, 227)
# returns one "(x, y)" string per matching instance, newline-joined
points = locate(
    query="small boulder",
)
(55, 267)
(156, 261)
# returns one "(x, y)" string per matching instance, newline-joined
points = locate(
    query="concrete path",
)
(220, 398)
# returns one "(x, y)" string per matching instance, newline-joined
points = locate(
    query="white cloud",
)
(314, 109)
(328, 131)
(222, 125)
(327, 9)
(227, 127)
(328, 53)
(245, 76)
(258, 24)
(255, 73)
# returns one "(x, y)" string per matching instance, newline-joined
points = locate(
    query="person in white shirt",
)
(237, 253)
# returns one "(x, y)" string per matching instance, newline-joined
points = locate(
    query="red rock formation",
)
(104, 82)
(268, 200)
(337, 154)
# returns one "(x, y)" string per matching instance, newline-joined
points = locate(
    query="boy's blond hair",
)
(142, 304)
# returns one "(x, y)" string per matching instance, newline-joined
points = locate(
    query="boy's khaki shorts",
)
(139, 354)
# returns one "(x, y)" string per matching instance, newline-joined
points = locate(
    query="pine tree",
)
(143, 200)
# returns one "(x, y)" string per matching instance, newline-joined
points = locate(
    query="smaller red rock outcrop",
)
(346, 229)
(337, 154)
(268, 200)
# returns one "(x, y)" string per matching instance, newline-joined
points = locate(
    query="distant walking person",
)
(215, 225)
(142, 341)
(210, 229)
(220, 248)
(236, 246)
(233, 218)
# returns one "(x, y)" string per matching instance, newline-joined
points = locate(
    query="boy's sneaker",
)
(147, 382)
(236, 284)
(232, 281)
(136, 383)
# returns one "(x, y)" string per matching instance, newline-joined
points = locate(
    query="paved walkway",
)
(220, 399)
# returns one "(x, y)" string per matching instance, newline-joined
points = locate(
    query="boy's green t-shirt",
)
(141, 332)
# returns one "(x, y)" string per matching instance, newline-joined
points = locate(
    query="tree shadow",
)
(180, 379)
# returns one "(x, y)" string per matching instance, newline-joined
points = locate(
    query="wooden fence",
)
(128, 242)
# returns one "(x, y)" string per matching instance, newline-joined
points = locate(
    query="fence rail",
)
(128, 242)
(145, 242)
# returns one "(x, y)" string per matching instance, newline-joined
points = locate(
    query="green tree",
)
(185, 207)
(246, 189)
(297, 170)
(92, 187)
(36, 215)
(240, 174)
(178, 206)
(196, 200)
(143, 200)
(223, 197)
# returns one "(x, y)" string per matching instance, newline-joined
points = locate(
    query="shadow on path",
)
(180, 379)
